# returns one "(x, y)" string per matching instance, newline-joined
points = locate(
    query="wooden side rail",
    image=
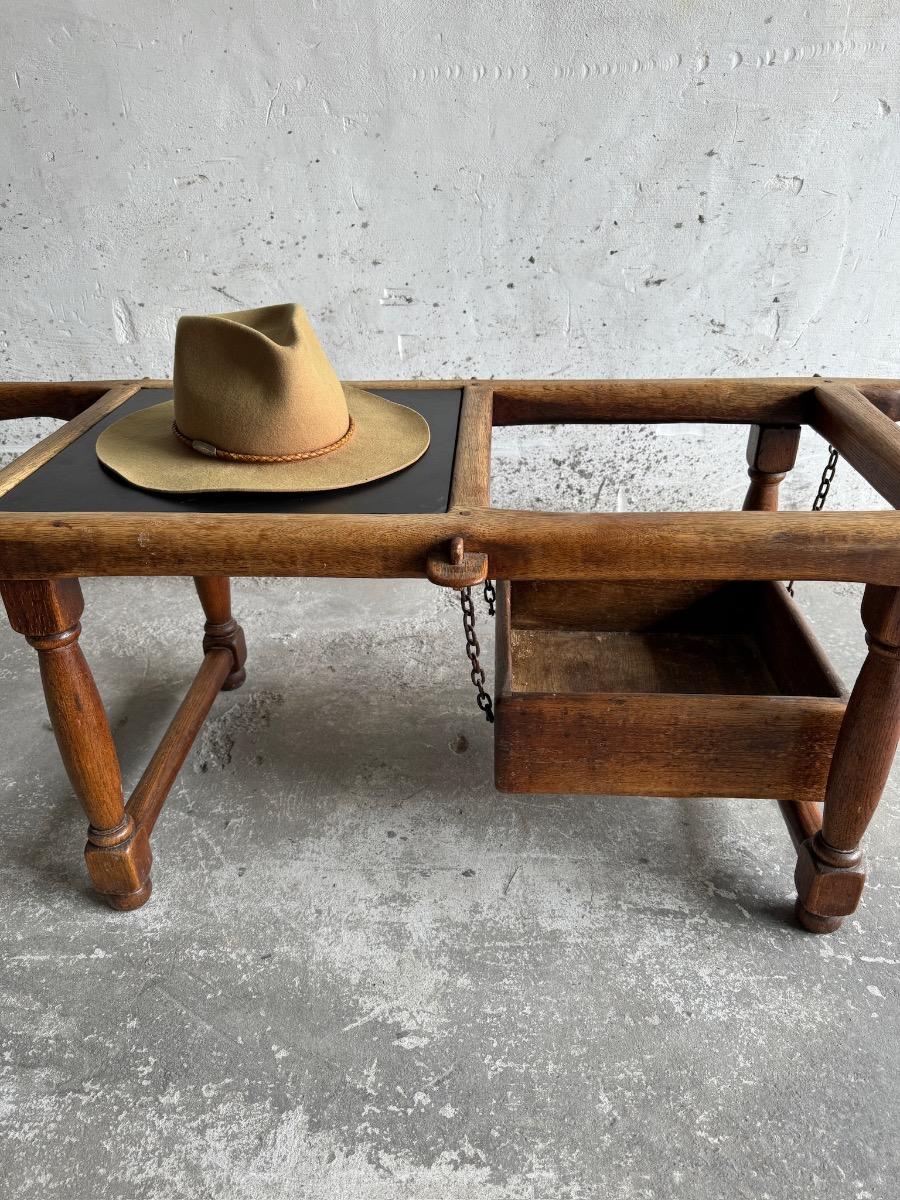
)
(849, 546)
(866, 437)
(721, 401)
(708, 545)
(63, 399)
(525, 401)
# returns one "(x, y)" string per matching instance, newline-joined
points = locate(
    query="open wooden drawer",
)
(662, 688)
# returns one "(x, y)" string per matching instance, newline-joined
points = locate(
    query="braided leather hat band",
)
(211, 451)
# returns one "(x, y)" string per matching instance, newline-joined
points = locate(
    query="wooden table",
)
(62, 516)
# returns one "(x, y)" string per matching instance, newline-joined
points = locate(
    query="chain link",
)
(490, 597)
(473, 649)
(822, 494)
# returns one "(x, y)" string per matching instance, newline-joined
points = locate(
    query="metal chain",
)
(824, 488)
(473, 649)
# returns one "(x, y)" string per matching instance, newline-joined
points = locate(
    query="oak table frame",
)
(43, 555)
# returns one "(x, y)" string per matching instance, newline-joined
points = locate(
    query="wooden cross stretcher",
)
(638, 653)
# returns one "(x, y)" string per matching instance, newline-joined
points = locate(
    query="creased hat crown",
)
(256, 382)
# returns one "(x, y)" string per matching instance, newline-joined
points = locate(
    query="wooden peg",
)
(462, 568)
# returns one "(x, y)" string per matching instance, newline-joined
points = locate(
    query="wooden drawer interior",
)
(692, 638)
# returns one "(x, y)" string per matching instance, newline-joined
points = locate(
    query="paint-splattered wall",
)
(486, 188)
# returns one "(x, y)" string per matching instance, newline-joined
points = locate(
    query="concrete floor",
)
(364, 974)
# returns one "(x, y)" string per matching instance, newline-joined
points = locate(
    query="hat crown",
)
(256, 382)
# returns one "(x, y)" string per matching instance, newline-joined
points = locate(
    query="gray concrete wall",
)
(488, 188)
(364, 974)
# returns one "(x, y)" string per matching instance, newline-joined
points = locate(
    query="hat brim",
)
(144, 451)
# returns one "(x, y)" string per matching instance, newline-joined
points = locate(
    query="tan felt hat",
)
(258, 408)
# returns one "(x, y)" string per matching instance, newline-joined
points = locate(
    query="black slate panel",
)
(75, 481)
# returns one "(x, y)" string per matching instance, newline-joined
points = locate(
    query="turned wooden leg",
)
(222, 630)
(830, 873)
(771, 453)
(117, 853)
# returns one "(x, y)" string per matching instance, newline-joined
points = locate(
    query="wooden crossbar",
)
(867, 438)
(41, 452)
(156, 782)
(803, 819)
